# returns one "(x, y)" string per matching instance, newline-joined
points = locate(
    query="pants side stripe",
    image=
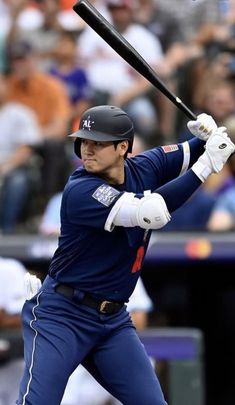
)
(33, 351)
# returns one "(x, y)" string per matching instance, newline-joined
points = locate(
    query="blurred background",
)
(52, 68)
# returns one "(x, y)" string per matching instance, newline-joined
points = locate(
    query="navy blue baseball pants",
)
(60, 333)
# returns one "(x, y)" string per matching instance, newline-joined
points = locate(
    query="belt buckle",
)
(103, 305)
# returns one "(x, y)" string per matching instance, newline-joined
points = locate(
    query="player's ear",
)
(123, 147)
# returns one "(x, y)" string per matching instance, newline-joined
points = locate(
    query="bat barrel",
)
(111, 36)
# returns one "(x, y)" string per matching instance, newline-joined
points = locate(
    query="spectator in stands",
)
(68, 18)
(41, 32)
(168, 28)
(23, 14)
(66, 68)
(162, 23)
(218, 35)
(4, 24)
(215, 38)
(214, 95)
(193, 14)
(27, 18)
(12, 298)
(122, 86)
(47, 97)
(222, 217)
(165, 25)
(50, 222)
(19, 135)
(226, 179)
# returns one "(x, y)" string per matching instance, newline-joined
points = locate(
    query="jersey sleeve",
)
(88, 203)
(164, 163)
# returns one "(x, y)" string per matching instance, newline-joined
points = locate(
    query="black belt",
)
(105, 307)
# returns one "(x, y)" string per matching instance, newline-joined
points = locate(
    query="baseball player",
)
(109, 207)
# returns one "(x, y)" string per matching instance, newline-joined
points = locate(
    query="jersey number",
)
(138, 260)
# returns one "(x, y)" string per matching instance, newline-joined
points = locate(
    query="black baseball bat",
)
(110, 35)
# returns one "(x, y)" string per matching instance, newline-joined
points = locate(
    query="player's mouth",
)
(85, 160)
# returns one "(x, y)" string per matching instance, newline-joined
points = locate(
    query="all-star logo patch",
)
(170, 148)
(105, 194)
(87, 123)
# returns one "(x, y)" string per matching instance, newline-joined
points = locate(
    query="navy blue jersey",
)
(107, 264)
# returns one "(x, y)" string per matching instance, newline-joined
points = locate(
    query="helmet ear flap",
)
(77, 147)
(130, 145)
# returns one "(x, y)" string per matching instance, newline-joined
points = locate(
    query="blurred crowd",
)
(53, 66)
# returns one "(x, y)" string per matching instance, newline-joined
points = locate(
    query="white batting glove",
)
(202, 127)
(218, 149)
(32, 285)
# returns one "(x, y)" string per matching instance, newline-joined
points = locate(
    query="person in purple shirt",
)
(109, 207)
(67, 68)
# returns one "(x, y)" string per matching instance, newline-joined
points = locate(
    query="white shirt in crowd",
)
(12, 298)
(19, 127)
(106, 70)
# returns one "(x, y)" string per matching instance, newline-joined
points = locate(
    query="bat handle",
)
(178, 102)
(190, 114)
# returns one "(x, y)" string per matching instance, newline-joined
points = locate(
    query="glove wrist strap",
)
(201, 170)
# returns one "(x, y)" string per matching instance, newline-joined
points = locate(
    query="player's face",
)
(102, 157)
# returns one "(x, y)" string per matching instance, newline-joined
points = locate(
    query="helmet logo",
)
(87, 123)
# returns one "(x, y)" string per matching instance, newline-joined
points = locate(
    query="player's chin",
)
(91, 167)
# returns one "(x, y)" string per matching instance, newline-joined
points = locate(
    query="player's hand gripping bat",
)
(110, 35)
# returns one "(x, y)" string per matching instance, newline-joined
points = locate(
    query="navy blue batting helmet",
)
(104, 123)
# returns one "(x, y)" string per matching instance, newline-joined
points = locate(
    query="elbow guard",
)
(152, 212)
(149, 212)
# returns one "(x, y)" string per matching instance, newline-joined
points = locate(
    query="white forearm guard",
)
(148, 212)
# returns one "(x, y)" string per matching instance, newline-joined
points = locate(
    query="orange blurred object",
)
(67, 4)
(198, 248)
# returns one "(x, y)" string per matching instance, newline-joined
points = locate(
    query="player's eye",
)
(88, 142)
(99, 143)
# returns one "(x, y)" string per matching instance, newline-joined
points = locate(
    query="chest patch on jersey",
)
(105, 194)
(170, 148)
